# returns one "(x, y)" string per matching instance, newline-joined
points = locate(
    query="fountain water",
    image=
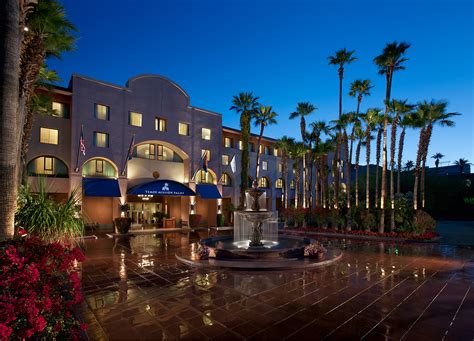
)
(255, 227)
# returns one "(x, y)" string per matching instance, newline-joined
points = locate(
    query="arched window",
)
(99, 168)
(263, 182)
(158, 151)
(48, 166)
(279, 183)
(226, 180)
(292, 184)
(203, 177)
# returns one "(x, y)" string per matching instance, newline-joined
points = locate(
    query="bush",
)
(39, 291)
(194, 220)
(40, 215)
(367, 220)
(404, 213)
(423, 221)
(294, 216)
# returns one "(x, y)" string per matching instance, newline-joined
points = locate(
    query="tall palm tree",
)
(409, 165)
(408, 121)
(303, 109)
(437, 157)
(284, 145)
(245, 104)
(388, 62)
(399, 110)
(371, 118)
(297, 153)
(461, 163)
(341, 125)
(323, 149)
(263, 116)
(429, 114)
(379, 127)
(359, 88)
(359, 135)
(318, 128)
(49, 35)
(9, 85)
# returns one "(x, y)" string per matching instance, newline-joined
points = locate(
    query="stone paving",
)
(136, 290)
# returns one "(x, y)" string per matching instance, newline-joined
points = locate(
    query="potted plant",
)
(315, 250)
(220, 220)
(123, 224)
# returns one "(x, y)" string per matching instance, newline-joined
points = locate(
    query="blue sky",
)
(279, 50)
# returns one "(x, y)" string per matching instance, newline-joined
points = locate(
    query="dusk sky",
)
(279, 50)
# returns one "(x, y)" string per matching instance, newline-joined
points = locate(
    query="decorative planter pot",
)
(123, 225)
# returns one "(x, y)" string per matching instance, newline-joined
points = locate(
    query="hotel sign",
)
(162, 187)
(166, 189)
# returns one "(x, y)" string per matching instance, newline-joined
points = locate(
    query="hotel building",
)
(144, 145)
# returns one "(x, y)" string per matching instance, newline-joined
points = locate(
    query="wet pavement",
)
(136, 290)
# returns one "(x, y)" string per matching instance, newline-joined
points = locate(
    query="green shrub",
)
(404, 213)
(51, 221)
(367, 220)
(423, 221)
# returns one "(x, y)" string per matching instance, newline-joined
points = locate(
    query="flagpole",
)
(197, 169)
(227, 167)
(79, 149)
(129, 152)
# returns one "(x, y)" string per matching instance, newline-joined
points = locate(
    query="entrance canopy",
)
(208, 191)
(101, 187)
(162, 187)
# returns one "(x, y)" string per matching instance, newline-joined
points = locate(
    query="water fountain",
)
(256, 244)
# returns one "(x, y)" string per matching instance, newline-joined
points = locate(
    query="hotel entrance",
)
(144, 212)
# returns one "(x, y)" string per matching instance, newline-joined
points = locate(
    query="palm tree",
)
(399, 109)
(428, 113)
(244, 104)
(371, 118)
(9, 71)
(359, 89)
(49, 35)
(322, 151)
(341, 125)
(303, 109)
(379, 127)
(284, 145)
(297, 152)
(264, 116)
(437, 157)
(409, 165)
(461, 163)
(408, 121)
(359, 134)
(318, 128)
(388, 62)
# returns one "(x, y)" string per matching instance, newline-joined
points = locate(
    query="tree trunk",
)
(400, 155)
(357, 156)
(10, 38)
(359, 99)
(244, 162)
(377, 159)
(393, 141)
(257, 166)
(335, 168)
(367, 160)
(426, 145)
(348, 169)
(419, 156)
(285, 177)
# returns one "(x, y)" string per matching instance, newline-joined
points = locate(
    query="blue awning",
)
(208, 191)
(162, 187)
(100, 187)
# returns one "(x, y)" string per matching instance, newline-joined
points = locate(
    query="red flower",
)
(22, 232)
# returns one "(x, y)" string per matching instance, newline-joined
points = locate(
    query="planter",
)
(318, 256)
(220, 220)
(123, 225)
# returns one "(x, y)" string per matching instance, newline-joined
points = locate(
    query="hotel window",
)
(165, 153)
(226, 180)
(47, 165)
(275, 152)
(251, 147)
(60, 110)
(260, 149)
(183, 129)
(134, 119)
(206, 133)
(267, 150)
(207, 152)
(101, 140)
(263, 182)
(241, 145)
(145, 151)
(227, 142)
(292, 184)
(99, 168)
(280, 167)
(279, 183)
(48, 136)
(160, 124)
(264, 165)
(225, 159)
(204, 177)
(101, 112)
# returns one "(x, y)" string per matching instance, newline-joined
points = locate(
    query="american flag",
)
(204, 161)
(82, 146)
(130, 149)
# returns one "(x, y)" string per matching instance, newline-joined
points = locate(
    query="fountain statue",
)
(255, 227)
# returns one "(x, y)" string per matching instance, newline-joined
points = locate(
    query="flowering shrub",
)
(203, 251)
(313, 249)
(294, 216)
(404, 235)
(423, 221)
(39, 290)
